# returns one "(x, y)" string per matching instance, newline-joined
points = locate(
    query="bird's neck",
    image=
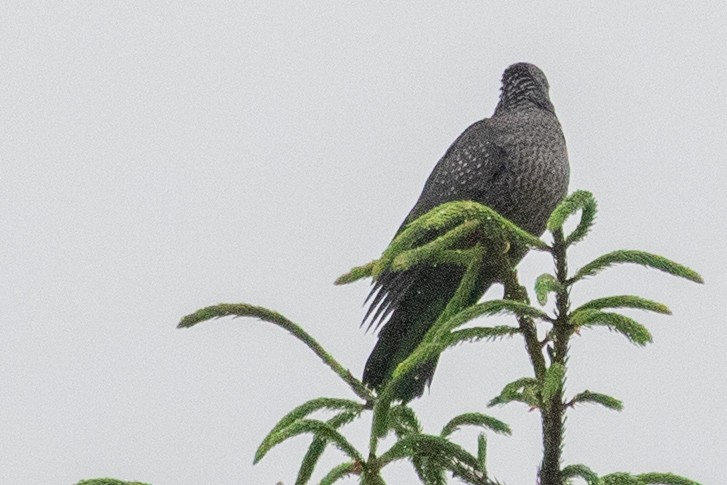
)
(520, 101)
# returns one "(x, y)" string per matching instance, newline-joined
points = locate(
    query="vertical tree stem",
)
(553, 412)
(513, 291)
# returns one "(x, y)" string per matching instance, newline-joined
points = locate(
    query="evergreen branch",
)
(453, 213)
(318, 446)
(544, 284)
(619, 478)
(624, 301)
(474, 476)
(431, 348)
(475, 334)
(522, 390)
(516, 292)
(382, 405)
(245, 310)
(482, 452)
(475, 419)
(432, 252)
(623, 478)
(487, 308)
(370, 476)
(429, 471)
(449, 215)
(435, 346)
(425, 351)
(302, 426)
(630, 328)
(582, 471)
(636, 257)
(108, 481)
(312, 406)
(596, 398)
(664, 479)
(442, 451)
(341, 471)
(380, 419)
(457, 220)
(403, 421)
(409, 258)
(356, 274)
(431, 345)
(552, 416)
(404, 448)
(552, 383)
(474, 257)
(579, 200)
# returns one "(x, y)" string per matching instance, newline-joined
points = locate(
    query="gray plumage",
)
(514, 162)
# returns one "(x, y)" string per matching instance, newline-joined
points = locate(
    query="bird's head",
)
(524, 84)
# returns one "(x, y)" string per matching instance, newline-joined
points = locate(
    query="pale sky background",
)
(158, 158)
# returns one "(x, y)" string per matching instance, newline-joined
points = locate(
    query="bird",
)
(514, 162)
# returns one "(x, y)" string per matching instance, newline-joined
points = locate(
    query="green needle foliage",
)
(108, 481)
(624, 301)
(578, 201)
(341, 471)
(629, 327)
(524, 390)
(544, 285)
(475, 419)
(552, 383)
(547, 334)
(637, 257)
(581, 471)
(315, 427)
(304, 410)
(282, 431)
(622, 478)
(596, 398)
(319, 443)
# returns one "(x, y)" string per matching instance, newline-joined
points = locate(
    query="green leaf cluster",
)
(108, 481)
(444, 236)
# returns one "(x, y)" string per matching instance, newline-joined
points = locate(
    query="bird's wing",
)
(466, 172)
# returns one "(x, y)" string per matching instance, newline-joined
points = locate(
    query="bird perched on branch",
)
(515, 163)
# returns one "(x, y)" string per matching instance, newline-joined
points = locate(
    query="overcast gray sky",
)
(158, 158)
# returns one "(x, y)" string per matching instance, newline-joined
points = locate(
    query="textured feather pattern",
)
(514, 162)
